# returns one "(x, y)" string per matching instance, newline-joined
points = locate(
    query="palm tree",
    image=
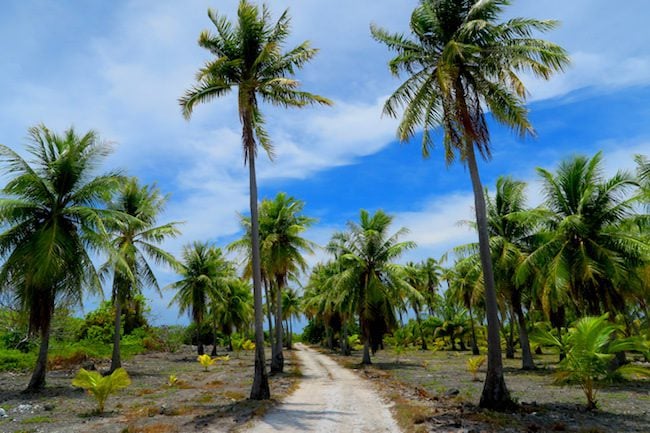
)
(134, 240)
(290, 310)
(205, 274)
(587, 254)
(465, 284)
(249, 56)
(461, 60)
(512, 229)
(52, 210)
(370, 283)
(416, 276)
(235, 311)
(281, 226)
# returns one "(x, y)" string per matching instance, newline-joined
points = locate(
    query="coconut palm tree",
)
(282, 248)
(462, 60)
(290, 310)
(134, 241)
(465, 285)
(416, 276)
(249, 56)
(52, 209)
(512, 228)
(587, 254)
(235, 310)
(205, 274)
(370, 284)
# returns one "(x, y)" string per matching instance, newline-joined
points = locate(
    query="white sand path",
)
(328, 399)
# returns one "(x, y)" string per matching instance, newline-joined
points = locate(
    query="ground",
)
(426, 391)
(329, 399)
(433, 391)
(217, 398)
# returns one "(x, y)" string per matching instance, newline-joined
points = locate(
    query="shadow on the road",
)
(285, 418)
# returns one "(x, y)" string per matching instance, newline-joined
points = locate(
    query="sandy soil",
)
(434, 392)
(201, 401)
(329, 399)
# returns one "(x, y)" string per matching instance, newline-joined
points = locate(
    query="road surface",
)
(328, 399)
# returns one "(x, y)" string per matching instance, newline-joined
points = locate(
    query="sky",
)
(119, 68)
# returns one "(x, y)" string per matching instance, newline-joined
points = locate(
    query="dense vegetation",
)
(572, 273)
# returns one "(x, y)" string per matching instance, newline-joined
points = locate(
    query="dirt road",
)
(329, 399)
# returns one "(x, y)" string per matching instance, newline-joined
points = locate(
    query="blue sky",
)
(119, 67)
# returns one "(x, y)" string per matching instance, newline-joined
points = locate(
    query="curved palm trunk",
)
(277, 363)
(260, 389)
(495, 394)
(37, 382)
(116, 360)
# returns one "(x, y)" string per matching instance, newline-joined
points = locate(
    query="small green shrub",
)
(473, 365)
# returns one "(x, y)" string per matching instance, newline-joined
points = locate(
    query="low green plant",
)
(206, 361)
(474, 364)
(172, 380)
(590, 348)
(100, 387)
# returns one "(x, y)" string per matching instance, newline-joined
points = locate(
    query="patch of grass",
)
(234, 395)
(37, 420)
(153, 428)
(410, 417)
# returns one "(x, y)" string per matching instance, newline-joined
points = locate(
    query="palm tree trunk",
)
(277, 362)
(260, 389)
(268, 311)
(345, 345)
(475, 350)
(37, 382)
(116, 360)
(199, 343)
(419, 321)
(366, 351)
(290, 339)
(527, 362)
(510, 340)
(495, 394)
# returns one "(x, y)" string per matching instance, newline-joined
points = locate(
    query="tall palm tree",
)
(290, 310)
(235, 310)
(465, 284)
(512, 228)
(205, 274)
(249, 56)
(370, 283)
(461, 60)
(53, 211)
(282, 246)
(416, 276)
(587, 255)
(134, 240)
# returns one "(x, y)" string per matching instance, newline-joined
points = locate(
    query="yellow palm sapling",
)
(473, 365)
(206, 360)
(100, 386)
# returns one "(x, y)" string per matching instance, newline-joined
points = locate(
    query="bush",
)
(313, 332)
(15, 360)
